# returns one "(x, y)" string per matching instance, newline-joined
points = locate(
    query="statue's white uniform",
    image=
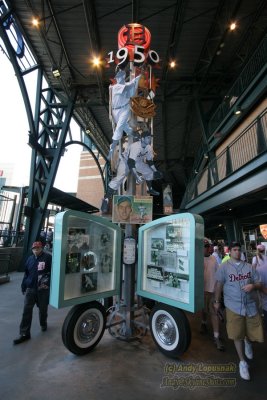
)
(139, 154)
(121, 93)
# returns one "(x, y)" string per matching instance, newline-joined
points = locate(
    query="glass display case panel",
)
(86, 259)
(170, 261)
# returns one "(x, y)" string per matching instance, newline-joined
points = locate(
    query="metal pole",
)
(129, 269)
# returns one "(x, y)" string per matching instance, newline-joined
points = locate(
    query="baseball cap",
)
(206, 242)
(37, 244)
(120, 74)
(146, 133)
(124, 198)
(261, 247)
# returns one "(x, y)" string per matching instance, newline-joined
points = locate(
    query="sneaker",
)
(218, 344)
(248, 350)
(153, 192)
(203, 329)
(21, 338)
(243, 370)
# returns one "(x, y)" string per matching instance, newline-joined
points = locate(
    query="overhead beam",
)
(94, 39)
(60, 37)
(176, 27)
(217, 35)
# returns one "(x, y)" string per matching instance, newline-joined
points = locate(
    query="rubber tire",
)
(70, 329)
(176, 324)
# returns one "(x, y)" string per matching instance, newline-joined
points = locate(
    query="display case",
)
(86, 259)
(170, 261)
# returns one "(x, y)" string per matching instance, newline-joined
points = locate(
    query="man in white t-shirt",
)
(210, 267)
(217, 254)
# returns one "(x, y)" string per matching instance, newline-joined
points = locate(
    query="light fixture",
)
(232, 26)
(56, 72)
(35, 22)
(237, 110)
(172, 64)
(96, 62)
(87, 130)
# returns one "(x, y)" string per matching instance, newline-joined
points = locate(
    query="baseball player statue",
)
(137, 158)
(120, 112)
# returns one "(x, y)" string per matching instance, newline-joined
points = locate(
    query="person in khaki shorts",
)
(239, 280)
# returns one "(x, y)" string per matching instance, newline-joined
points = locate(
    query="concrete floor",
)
(43, 368)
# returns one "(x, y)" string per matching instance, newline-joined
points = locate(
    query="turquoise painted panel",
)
(86, 259)
(170, 261)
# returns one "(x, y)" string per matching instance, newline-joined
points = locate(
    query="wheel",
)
(84, 327)
(170, 330)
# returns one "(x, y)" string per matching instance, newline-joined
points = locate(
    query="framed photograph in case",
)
(86, 261)
(174, 274)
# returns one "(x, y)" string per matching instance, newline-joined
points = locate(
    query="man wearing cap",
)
(124, 209)
(120, 95)
(239, 280)
(35, 286)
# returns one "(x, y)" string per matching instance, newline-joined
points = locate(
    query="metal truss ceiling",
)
(196, 33)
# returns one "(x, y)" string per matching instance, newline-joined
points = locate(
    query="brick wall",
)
(90, 186)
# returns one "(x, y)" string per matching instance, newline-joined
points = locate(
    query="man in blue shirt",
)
(35, 286)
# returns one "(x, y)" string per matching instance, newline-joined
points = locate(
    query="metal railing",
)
(251, 143)
(10, 238)
(250, 71)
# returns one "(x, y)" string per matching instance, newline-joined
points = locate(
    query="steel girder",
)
(52, 120)
(49, 132)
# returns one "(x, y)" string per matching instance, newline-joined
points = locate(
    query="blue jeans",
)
(32, 297)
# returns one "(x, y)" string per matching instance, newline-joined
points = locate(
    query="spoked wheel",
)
(170, 330)
(84, 327)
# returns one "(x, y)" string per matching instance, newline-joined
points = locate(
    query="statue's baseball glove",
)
(143, 107)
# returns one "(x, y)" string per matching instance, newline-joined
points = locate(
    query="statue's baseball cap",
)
(146, 134)
(120, 74)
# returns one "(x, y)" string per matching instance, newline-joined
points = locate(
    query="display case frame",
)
(170, 261)
(86, 263)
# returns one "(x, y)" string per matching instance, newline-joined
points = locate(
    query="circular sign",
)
(132, 35)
